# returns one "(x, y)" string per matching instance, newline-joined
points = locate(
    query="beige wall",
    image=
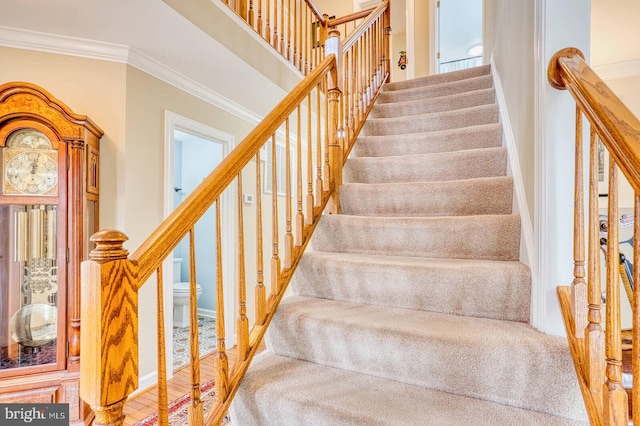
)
(614, 31)
(508, 39)
(89, 87)
(335, 8)
(398, 43)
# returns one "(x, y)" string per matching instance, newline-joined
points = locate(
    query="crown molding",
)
(620, 69)
(90, 49)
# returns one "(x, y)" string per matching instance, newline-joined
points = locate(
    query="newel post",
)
(333, 45)
(109, 335)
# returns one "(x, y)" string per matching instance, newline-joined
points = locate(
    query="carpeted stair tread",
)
(491, 237)
(433, 105)
(466, 356)
(286, 391)
(434, 90)
(471, 287)
(439, 78)
(439, 166)
(490, 195)
(472, 116)
(471, 137)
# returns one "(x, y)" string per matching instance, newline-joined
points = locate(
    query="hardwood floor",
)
(146, 402)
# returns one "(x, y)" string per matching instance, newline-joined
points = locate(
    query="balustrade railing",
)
(295, 28)
(597, 350)
(293, 162)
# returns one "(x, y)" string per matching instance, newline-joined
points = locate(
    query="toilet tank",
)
(177, 267)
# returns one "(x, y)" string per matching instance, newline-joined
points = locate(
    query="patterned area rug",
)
(179, 409)
(206, 341)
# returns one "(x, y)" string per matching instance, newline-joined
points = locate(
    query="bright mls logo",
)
(34, 414)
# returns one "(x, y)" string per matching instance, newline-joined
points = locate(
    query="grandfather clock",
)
(48, 210)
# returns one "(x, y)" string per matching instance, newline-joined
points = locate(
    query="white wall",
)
(521, 37)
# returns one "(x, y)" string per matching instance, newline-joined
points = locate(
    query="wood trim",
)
(351, 17)
(315, 11)
(593, 405)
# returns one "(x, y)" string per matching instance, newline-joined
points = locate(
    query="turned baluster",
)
(288, 236)
(109, 337)
(615, 397)
(243, 321)
(310, 203)
(299, 214)
(296, 35)
(267, 30)
(251, 17)
(276, 40)
(163, 400)
(319, 186)
(241, 8)
(579, 286)
(327, 168)
(259, 21)
(196, 413)
(594, 336)
(289, 32)
(635, 303)
(261, 306)
(282, 44)
(387, 34)
(275, 258)
(220, 362)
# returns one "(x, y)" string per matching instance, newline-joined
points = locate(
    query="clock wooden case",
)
(49, 187)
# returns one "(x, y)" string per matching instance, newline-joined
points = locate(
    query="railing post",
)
(387, 33)
(109, 335)
(333, 45)
(324, 28)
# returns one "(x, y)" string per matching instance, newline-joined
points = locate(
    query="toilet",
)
(181, 296)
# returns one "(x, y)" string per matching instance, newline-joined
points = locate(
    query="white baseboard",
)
(207, 313)
(520, 200)
(146, 382)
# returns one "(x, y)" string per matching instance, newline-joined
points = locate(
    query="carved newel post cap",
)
(109, 246)
(334, 33)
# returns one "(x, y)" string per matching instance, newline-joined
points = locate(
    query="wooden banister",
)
(350, 17)
(319, 16)
(343, 91)
(371, 18)
(598, 354)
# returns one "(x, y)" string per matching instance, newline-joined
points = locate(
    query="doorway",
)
(192, 151)
(458, 34)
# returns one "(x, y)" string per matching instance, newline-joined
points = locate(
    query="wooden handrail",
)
(316, 12)
(175, 227)
(617, 126)
(350, 17)
(597, 351)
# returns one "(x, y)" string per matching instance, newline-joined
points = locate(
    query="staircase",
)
(412, 307)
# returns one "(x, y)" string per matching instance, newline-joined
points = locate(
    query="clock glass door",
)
(29, 286)
(32, 306)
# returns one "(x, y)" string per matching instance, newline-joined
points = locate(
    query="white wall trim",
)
(90, 49)
(18, 38)
(146, 382)
(538, 300)
(516, 172)
(207, 313)
(618, 69)
(228, 217)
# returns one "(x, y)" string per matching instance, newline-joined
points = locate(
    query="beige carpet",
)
(412, 307)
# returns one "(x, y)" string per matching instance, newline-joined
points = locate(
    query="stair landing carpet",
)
(412, 307)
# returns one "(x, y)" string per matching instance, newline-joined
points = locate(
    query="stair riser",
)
(439, 167)
(428, 350)
(472, 137)
(498, 290)
(450, 198)
(432, 91)
(485, 114)
(439, 78)
(432, 105)
(478, 237)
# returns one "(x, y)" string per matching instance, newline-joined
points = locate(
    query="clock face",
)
(30, 171)
(29, 138)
